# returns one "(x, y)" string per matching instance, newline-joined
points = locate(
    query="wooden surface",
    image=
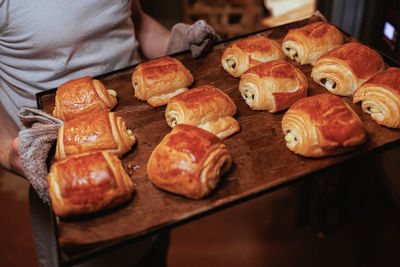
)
(261, 159)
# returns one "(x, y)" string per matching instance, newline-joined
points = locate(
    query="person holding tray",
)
(44, 44)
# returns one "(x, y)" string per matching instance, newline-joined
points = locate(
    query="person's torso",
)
(44, 43)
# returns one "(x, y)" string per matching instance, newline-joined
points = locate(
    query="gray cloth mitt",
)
(198, 37)
(35, 142)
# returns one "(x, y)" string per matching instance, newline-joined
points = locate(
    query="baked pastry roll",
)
(322, 125)
(306, 44)
(246, 53)
(206, 107)
(100, 130)
(343, 69)
(86, 183)
(157, 80)
(380, 97)
(81, 96)
(189, 161)
(273, 85)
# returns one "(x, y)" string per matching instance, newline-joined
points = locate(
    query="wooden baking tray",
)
(262, 162)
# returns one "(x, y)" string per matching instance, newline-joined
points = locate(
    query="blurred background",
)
(340, 222)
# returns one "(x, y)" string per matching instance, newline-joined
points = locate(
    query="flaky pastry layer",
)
(206, 107)
(86, 183)
(322, 125)
(189, 161)
(342, 70)
(100, 130)
(306, 44)
(246, 53)
(272, 86)
(81, 96)
(158, 80)
(380, 97)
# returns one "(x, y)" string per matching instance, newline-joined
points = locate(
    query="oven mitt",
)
(198, 37)
(35, 141)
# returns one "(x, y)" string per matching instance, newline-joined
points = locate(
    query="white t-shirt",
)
(44, 43)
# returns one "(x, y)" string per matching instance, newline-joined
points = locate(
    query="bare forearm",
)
(8, 132)
(153, 37)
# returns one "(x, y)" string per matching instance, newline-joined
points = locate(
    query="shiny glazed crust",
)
(189, 161)
(87, 183)
(206, 107)
(273, 85)
(156, 81)
(246, 53)
(80, 96)
(322, 125)
(100, 130)
(306, 44)
(342, 70)
(380, 97)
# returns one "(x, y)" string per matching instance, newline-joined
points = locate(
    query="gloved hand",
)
(34, 144)
(198, 37)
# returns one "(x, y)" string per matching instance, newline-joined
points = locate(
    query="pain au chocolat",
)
(158, 80)
(189, 161)
(306, 44)
(343, 69)
(273, 86)
(80, 96)
(322, 125)
(248, 52)
(100, 130)
(380, 97)
(87, 183)
(206, 107)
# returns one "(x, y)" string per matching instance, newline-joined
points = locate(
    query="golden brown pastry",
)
(189, 161)
(380, 97)
(246, 53)
(306, 44)
(81, 96)
(157, 80)
(273, 85)
(99, 130)
(322, 125)
(86, 183)
(343, 69)
(206, 107)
